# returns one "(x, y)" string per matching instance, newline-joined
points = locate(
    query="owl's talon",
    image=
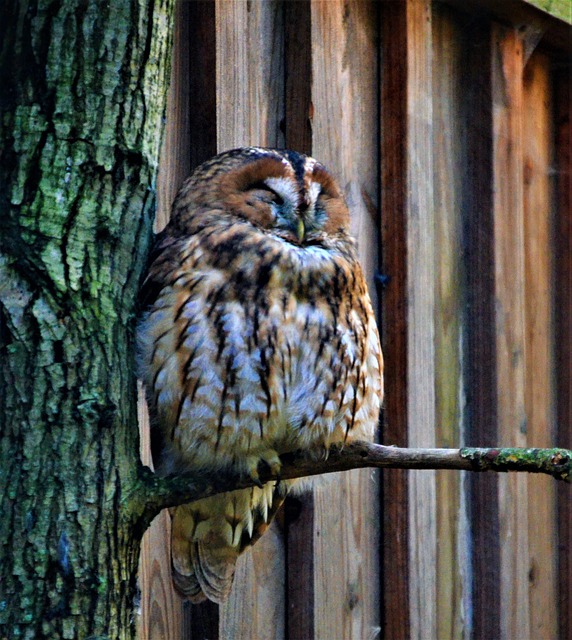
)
(269, 458)
(272, 459)
(252, 470)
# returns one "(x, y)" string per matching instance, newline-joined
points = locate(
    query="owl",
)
(257, 338)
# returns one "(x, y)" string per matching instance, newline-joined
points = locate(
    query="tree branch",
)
(155, 492)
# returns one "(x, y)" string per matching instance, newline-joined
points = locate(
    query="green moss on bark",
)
(85, 97)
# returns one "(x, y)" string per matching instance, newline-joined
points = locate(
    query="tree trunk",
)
(83, 97)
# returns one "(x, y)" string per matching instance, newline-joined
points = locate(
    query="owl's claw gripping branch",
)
(269, 458)
(156, 493)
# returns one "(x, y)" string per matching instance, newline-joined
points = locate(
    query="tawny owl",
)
(258, 338)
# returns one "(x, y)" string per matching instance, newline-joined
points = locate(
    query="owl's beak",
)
(300, 230)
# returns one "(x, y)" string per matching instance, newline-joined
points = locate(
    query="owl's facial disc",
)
(296, 211)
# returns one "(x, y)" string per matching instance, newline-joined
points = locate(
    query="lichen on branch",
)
(155, 492)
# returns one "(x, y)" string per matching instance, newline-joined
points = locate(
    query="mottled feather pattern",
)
(259, 339)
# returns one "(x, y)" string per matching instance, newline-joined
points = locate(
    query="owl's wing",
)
(162, 263)
(159, 266)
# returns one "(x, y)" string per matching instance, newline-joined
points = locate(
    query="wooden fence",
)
(448, 125)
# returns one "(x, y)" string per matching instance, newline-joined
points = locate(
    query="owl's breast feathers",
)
(252, 342)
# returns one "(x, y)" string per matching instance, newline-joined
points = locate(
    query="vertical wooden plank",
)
(298, 75)
(250, 107)
(563, 312)
(420, 300)
(300, 567)
(507, 67)
(249, 73)
(480, 365)
(449, 155)
(161, 608)
(256, 608)
(408, 171)
(396, 618)
(345, 132)
(201, 79)
(233, 75)
(174, 164)
(539, 390)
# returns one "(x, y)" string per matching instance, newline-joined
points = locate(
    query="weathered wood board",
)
(562, 296)
(408, 218)
(540, 394)
(449, 155)
(508, 210)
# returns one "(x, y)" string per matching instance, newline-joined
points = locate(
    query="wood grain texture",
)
(539, 340)
(563, 327)
(480, 368)
(408, 239)
(174, 165)
(161, 614)
(508, 208)
(161, 607)
(449, 153)
(393, 158)
(299, 512)
(421, 308)
(201, 74)
(249, 73)
(256, 608)
(250, 107)
(298, 76)
(345, 130)
(306, 75)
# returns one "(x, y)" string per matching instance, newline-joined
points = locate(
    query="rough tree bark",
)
(83, 98)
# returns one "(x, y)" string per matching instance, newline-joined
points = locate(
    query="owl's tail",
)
(207, 537)
(211, 575)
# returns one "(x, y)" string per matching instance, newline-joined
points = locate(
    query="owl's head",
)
(284, 192)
